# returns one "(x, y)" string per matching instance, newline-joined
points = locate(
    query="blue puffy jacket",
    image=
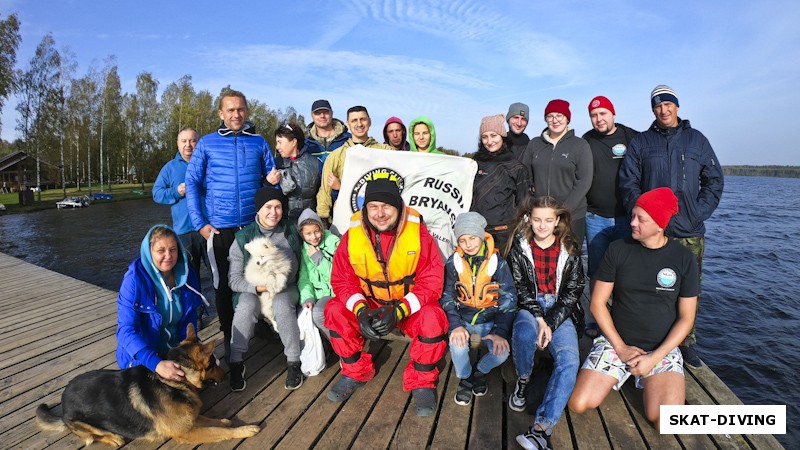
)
(681, 159)
(229, 166)
(165, 192)
(139, 322)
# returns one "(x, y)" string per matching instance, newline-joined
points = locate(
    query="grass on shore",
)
(121, 192)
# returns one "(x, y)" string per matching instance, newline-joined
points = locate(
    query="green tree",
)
(9, 42)
(40, 93)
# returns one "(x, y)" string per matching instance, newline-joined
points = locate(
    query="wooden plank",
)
(414, 431)
(588, 430)
(348, 422)
(487, 412)
(633, 399)
(55, 316)
(622, 431)
(453, 425)
(722, 395)
(562, 434)
(379, 429)
(101, 316)
(34, 348)
(695, 395)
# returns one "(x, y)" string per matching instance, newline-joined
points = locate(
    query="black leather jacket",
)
(570, 288)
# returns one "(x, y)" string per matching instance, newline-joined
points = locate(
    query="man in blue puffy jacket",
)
(673, 154)
(226, 169)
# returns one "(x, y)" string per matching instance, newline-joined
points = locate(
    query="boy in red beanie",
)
(655, 282)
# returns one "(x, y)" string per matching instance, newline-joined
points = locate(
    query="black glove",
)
(365, 323)
(384, 319)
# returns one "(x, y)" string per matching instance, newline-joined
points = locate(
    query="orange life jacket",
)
(391, 279)
(478, 290)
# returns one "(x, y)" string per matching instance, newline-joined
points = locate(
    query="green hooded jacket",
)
(429, 123)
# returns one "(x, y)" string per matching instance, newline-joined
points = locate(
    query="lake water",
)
(749, 309)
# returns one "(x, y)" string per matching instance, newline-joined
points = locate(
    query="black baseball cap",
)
(321, 104)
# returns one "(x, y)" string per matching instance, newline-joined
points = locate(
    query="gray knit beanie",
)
(470, 223)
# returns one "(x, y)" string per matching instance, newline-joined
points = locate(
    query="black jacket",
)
(501, 183)
(571, 282)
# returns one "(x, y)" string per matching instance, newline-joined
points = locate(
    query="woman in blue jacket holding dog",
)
(158, 299)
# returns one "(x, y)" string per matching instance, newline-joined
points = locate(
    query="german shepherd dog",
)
(114, 407)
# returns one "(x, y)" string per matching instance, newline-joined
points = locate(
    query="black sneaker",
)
(516, 400)
(690, 356)
(463, 395)
(534, 440)
(294, 376)
(479, 386)
(236, 381)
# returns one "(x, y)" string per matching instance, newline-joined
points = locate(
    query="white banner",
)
(438, 186)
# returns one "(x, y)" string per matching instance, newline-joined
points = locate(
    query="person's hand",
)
(309, 304)
(334, 182)
(642, 365)
(274, 177)
(261, 289)
(545, 334)
(365, 323)
(385, 319)
(182, 189)
(170, 370)
(208, 230)
(312, 250)
(499, 344)
(459, 337)
(627, 352)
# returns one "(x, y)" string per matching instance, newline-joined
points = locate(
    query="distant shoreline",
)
(763, 171)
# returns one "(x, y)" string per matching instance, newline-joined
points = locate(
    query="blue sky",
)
(734, 64)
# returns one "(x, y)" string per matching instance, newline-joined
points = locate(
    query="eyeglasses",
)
(554, 117)
(286, 126)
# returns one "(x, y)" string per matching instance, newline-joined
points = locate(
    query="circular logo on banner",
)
(619, 150)
(357, 195)
(667, 278)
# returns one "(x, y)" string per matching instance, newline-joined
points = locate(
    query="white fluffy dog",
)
(268, 266)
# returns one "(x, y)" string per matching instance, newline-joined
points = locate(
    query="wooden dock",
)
(55, 327)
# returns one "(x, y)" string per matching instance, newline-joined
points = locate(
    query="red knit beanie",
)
(601, 102)
(660, 203)
(558, 106)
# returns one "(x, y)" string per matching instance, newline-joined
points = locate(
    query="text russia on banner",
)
(438, 186)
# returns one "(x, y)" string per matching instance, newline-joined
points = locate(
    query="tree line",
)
(84, 131)
(763, 171)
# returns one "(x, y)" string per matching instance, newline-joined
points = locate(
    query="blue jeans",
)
(563, 348)
(600, 233)
(460, 355)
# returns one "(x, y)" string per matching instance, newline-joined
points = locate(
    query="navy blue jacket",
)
(681, 159)
(501, 315)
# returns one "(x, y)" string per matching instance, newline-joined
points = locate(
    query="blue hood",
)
(168, 300)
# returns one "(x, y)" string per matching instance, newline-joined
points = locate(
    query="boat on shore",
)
(102, 196)
(73, 202)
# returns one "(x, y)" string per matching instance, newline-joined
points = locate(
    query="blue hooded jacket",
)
(165, 192)
(151, 318)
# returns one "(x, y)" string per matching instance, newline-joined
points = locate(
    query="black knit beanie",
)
(266, 194)
(383, 190)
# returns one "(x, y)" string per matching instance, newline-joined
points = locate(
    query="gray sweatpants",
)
(247, 314)
(318, 316)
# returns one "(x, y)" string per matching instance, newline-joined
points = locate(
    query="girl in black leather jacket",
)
(545, 262)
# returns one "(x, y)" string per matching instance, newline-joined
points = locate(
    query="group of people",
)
(515, 279)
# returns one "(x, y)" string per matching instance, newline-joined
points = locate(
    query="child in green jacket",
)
(316, 261)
